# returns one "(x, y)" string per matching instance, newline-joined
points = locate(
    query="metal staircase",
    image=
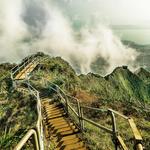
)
(63, 118)
(60, 129)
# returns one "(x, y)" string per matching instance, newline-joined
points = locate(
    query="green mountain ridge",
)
(121, 84)
(144, 75)
(122, 90)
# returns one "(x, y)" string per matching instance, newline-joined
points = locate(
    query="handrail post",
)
(11, 75)
(138, 146)
(82, 121)
(38, 95)
(58, 92)
(67, 110)
(39, 124)
(79, 114)
(22, 142)
(35, 142)
(114, 129)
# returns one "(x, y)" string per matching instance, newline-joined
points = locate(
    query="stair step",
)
(68, 142)
(57, 121)
(65, 129)
(50, 115)
(54, 111)
(56, 116)
(62, 126)
(83, 148)
(73, 136)
(73, 146)
(50, 105)
(59, 125)
(53, 107)
(65, 133)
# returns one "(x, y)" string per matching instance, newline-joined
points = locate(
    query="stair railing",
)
(36, 133)
(39, 125)
(21, 66)
(117, 140)
(18, 67)
(31, 133)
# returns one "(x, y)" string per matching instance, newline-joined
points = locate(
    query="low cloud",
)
(29, 26)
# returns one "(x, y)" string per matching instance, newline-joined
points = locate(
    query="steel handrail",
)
(24, 140)
(93, 108)
(119, 114)
(24, 63)
(13, 69)
(23, 66)
(17, 66)
(39, 121)
(98, 125)
(138, 144)
(27, 58)
(65, 97)
(39, 125)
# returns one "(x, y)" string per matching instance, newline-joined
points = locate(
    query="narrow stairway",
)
(28, 69)
(61, 131)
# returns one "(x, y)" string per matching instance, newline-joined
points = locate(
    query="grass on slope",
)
(17, 115)
(121, 90)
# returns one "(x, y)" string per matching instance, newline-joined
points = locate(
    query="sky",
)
(80, 31)
(132, 12)
(135, 14)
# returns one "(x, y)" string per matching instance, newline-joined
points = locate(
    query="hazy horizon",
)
(130, 18)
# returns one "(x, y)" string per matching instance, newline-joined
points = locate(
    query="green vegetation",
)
(122, 90)
(17, 111)
(18, 114)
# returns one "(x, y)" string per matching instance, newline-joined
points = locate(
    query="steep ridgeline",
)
(122, 90)
(121, 84)
(144, 75)
(120, 87)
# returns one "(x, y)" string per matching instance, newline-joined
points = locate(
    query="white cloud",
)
(57, 37)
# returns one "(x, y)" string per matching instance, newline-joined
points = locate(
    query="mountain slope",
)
(122, 90)
(17, 110)
(121, 84)
(143, 75)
